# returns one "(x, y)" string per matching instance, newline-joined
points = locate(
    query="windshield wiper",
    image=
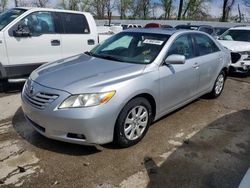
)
(109, 57)
(88, 53)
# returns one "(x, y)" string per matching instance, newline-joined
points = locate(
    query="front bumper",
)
(87, 126)
(242, 65)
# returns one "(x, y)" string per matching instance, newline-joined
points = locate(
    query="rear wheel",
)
(133, 122)
(218, 85)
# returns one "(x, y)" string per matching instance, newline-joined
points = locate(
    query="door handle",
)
(196, 66)
(91, 42)
(55, 42)
(220, 59)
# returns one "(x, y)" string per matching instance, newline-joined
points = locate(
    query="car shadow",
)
(22, 127)
(216, 156)
(13, 87)
(239, 75)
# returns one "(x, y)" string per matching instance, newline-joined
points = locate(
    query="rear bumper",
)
(86, 126)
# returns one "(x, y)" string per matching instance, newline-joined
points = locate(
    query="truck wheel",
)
(3, 84)
(133, 122)
(218, 85)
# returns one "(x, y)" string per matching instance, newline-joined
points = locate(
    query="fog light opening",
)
(76, 136)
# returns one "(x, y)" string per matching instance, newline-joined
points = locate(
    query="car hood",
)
(84, 73)
(236, 46)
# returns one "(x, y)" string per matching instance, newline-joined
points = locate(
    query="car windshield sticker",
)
(152, 41)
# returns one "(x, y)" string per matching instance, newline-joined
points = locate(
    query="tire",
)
(135, 117)
(3, 84)
(218, 85)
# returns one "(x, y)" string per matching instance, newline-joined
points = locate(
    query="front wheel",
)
(3, 84)
(218, 85)
(133, 122)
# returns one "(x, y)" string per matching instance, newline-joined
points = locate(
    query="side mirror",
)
(175, 59)
(22, 31)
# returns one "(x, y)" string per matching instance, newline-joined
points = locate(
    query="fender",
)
(3, 73)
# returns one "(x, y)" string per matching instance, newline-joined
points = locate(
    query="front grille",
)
(39, 99)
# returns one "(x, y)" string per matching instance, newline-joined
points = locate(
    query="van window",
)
(75, 24)
(39, 23)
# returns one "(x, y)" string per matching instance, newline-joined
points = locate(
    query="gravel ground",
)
(204, 144)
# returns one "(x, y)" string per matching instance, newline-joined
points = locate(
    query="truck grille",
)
(40, 99)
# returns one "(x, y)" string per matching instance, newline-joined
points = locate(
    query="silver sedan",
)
(115, 91)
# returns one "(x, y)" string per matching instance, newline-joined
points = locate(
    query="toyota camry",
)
(115, 91)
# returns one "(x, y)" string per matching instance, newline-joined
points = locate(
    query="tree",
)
(227, 7)
(246, 3)
(145, 8)
(123, 7)
(3, 4)
(180, 9)
(240, 15)
(134, 9)
(167, 6)
(24, 3)
(41, 3)
(195, 9)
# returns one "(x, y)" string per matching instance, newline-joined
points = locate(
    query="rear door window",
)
(75, 24)
(205, 45)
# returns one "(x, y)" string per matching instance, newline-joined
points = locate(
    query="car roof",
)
(183, 25)
(164, 31)
(153, 31)
(240, 28)
(50, 9)
(219, 27)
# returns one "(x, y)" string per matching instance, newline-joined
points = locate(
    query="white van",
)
(30, 37)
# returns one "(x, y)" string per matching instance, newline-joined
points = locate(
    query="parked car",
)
(152, 25)
(157, 25)
(220, 30)
(30, 37)
(237, 39)
(166, 26)
(129, 26)
(205, 28)
(114, 92)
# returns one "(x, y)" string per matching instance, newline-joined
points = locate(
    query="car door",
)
(208, 60)
(77, 37)
(42, 46)
(178, 83)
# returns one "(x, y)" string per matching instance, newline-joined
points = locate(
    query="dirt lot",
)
(204, 144)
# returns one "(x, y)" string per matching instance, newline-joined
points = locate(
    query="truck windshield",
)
(131, 47)
(236, 35)
(8, 16)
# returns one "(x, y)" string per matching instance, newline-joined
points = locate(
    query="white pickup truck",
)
(30, 37)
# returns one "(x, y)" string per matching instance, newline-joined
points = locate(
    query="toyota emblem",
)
(31, 90)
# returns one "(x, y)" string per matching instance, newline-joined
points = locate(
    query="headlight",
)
(86, 100)
(245, 53)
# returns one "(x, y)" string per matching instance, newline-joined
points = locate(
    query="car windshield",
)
(236, 35)
(220, 30)
(131, 47)
(8, 16)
